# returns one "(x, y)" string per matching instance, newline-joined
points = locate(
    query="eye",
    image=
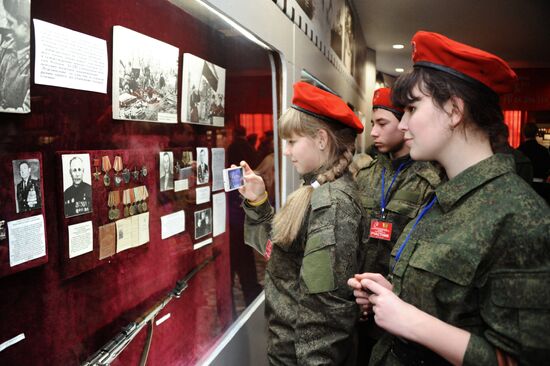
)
(410, 108)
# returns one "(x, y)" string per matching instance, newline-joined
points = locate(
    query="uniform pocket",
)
(318, 263)
(405, 203)
(523, 296)
(444, 260)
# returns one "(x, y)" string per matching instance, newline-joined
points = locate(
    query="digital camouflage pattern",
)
(310, 309)
(414, 185)
(480, 260)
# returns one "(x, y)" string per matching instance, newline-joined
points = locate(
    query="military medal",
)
(132, 208)
(97, 173)
(144, 171)
(135, 173)
(144, 195)
(117, 167)
(126, 202)
(126, 175)
(106, 166)
(113, 201)
(137, 195)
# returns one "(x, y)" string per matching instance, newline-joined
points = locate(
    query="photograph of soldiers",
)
(166, 172)
(77, 189)
(15, 33)
(202, 165)
(203, 223)
(26, 178)
(203, 91)
(145, 77)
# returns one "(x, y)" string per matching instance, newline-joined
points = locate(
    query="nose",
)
(374, 131)
(404, 123)
(287, 150)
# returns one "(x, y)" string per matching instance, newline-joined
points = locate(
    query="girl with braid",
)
(315, 241)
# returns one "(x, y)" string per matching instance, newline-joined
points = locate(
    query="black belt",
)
(413, 354)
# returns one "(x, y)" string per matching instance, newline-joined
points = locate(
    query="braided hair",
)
(341, 145)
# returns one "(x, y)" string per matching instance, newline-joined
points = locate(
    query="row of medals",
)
(129, 210)
(125, 176)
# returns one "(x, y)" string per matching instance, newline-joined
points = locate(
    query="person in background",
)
(393, 189)
(524, 167)
(537, 153)
(469, 276)
(315, 241)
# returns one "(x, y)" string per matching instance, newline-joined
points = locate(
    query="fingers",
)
(247, 169)
(373, 286)
(376, 277)
(355, 283)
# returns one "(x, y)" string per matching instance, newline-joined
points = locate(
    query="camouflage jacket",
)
(412, 188)
(480, 260)
(310, 310)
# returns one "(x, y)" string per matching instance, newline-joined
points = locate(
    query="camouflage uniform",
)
(311, 312)
(479, 260)
(410, 191)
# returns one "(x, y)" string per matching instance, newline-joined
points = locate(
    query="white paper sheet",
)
(81, 239)
(27, 240)
(181, 185)
(202, 243)
(172, 224)
(143, 233)
(69, 59)
(219, 207)
(218, 164)
(124, 234)
(203, 195)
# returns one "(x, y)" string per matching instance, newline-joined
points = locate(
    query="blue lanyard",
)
(384, 195)
(420, 216)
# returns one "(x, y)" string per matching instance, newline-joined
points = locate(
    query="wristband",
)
(259, 201)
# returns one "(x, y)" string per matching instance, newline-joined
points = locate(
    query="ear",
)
(322, 139)
(456, 111)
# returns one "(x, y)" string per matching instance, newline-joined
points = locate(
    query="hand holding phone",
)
(233, 178)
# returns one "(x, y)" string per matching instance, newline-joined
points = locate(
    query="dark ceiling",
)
(516, 30)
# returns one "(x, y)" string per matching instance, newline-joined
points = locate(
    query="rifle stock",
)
(110, 351)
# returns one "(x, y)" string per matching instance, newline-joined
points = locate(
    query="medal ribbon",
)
(117, 164)
(105, 164)
(385, 195)
(145, 194)
(126, 197)
(420, 216)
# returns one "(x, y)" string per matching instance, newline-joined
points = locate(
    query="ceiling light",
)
(399, 69)
(398, 46)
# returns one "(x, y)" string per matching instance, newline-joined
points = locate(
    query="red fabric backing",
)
(67, 309)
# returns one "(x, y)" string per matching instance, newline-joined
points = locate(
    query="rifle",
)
(110, 351)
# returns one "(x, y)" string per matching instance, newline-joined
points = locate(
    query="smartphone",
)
(233, 178)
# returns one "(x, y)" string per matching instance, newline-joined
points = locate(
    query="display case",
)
(109, 199)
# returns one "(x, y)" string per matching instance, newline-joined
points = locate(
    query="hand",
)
(362, 295)
(254, 186)
(390, 312)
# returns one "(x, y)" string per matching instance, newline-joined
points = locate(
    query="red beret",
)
(382, 99)
(324, 105)
(439, 52)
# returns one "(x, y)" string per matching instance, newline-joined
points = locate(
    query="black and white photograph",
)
(203, 92)
(77, 184)
(26, 180)
(15, 57)
(307, 6)
(203, 223)
(145, 77)
(166, 171)
(203, 172)
(342, 38)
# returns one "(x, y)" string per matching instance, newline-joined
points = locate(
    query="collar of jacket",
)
(470, 179)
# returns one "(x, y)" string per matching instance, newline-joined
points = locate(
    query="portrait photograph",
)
(15, 56)
(77, 184)
(203, 92)
(26, 180)
(203, 223)
(203, 172)
(166, 171)
(186, 158)
(145, 78)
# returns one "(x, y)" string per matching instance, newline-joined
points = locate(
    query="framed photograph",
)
(203, 92)
(203, 172)
(26, 180)
(145, 77)
(203, 223)
(16, 56)
(77, 184)
(166, 171)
